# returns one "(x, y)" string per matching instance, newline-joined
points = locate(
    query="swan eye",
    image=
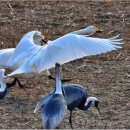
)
(97, 29)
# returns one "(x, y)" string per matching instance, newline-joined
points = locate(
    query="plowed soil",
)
(105, 76)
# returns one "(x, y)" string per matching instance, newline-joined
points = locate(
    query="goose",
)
(76, 97)
(55, 109)
(65, 49)
(3, 85)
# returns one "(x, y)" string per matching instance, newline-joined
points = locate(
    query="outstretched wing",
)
(68, 48)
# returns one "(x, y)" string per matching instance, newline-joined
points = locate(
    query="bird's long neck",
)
(58, 87)
(87, 104)
(79, 32)
(2, 86)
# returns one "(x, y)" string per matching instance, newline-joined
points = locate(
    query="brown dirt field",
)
(105, 76)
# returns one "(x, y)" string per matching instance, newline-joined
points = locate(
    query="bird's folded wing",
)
(43, 101)
(68, 48)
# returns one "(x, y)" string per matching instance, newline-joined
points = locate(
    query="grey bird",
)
(55, 109)
(76, 97)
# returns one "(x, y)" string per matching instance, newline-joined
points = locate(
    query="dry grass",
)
(105, 76)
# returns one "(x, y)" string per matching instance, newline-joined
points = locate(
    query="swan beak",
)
(96, 105)
(43, 42)
(98, 30)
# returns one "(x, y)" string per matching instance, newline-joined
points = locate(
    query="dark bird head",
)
(96, 106)
(57, 70)
(90, 101)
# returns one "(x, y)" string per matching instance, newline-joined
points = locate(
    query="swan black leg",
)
(13, 83)
(19, 83)
(70, 120)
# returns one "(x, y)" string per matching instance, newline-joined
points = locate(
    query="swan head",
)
(93, 101)
(38, 38)
(35, 36)
(92, 29)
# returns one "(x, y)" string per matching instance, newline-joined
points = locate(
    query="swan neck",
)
(2, 86)
(80, 32)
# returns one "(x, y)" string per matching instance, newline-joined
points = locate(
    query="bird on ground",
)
(55, 109)
(3, 85)
(65, 49)
(76, 97)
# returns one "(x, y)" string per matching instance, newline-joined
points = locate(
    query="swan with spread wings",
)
(65, 49)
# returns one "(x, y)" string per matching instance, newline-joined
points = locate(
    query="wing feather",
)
(67, 48)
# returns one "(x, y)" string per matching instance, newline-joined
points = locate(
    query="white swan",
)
(64, 49)
(12, 58)
(6, 54)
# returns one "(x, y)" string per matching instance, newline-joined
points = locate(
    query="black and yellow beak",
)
(43, 42)
(98, 30)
